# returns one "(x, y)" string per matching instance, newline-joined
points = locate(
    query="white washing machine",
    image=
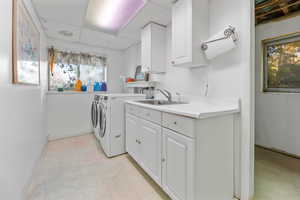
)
(110, 126)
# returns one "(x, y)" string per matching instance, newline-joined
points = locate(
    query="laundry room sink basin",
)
(160, 102)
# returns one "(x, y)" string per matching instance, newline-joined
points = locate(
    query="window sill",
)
(74, 92)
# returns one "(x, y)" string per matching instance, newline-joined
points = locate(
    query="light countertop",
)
(203, 108)
(74, 92)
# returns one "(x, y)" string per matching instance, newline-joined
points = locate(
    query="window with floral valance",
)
(65, 68)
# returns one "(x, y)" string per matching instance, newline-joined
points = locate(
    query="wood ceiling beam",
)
(282, 4)
(266, 4)
(285, 17)
(278, 9)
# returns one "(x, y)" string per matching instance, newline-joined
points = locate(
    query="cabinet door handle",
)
(173, 62)
(163, 160)
(175, 123)
(117, 136)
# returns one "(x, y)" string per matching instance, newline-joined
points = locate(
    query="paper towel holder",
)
(229, 32)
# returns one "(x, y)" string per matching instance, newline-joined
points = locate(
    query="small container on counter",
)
(83, 88)
(78, 85)
(90, 87)
(97, 86)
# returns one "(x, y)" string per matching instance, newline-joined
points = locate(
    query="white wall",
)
(180, 80)
(229, 75)
(69, 114)
(132, 58)
(22, 111)
(277, 114)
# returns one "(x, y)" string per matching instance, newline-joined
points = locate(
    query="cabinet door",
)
(132, 130)
(178, 165)
(182, 32)
(146, 49)
(151, 149)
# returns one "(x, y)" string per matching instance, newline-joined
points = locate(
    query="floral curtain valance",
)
(56, 56)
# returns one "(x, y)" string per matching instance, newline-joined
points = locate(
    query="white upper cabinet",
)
(189, 30)
(153, 48)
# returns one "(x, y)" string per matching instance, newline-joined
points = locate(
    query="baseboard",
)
(67, 135)
(279, 151)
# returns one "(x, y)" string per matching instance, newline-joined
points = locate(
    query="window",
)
(281, 62)
(66, 68)
(26, 47)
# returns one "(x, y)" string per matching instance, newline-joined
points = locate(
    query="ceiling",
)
(268, 10)
(69, 17)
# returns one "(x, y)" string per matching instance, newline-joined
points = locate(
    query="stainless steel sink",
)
(160, 102)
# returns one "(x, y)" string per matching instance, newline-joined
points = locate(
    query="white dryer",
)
(110, 130)
(95, 115)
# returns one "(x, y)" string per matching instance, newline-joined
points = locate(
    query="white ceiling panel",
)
(151, 12)
(131, 34)
(165, 3)
(70, 12)
(97, 38)
(52, 30)
(69, 15)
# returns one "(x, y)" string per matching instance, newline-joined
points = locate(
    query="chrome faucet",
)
(166, 93)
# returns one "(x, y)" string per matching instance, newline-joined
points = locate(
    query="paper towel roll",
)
(219, 47)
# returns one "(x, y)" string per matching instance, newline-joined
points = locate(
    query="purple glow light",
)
(114, 14)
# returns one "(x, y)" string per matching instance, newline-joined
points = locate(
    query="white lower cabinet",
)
(132, 136)
(178, 162)
(143, 143)
(150, 149)
(191, 159)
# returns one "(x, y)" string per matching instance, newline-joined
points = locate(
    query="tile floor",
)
(77, 169)
(277, 177)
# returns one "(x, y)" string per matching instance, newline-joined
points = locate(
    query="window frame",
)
(282, 39)
(17, 8)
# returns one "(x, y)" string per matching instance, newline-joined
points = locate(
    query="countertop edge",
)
(186, 114)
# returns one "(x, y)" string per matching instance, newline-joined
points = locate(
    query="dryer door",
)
(94, 114)
(102, 119)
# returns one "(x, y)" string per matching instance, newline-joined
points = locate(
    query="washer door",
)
(102, 119)
(94, 114)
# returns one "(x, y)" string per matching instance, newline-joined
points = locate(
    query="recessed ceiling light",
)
(66, 33)
(112, 15)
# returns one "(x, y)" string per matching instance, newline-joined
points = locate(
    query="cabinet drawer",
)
(183, 125)
(134, 110)
(151, 115)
